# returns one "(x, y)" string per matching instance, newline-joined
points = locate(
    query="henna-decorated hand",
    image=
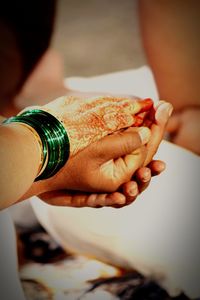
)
(109, 168)
(88, 120)
(138, 181)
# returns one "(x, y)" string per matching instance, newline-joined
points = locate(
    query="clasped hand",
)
(109, 164)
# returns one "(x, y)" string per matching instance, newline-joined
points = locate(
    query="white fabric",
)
(21, 213)
(10, 285)
(138, 82)
(159, 233)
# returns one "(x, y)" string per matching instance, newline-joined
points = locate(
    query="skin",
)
(102, 169)
(170, 33)
(88, 120)
(17, 174)
(184, 128)
(173, 82)
(17, 140)
(20, 141)
(126, 193)
(127, 174)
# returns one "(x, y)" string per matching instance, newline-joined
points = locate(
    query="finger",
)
(156, 167)
(162, 115)
(57, 198)
(125, 167)
(101, 200)
(131, 191)
(143, 178)
(64, 198)
(81, 199)
(121, 144)
(122, 169)
(152, 146)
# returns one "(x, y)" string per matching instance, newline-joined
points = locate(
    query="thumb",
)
(163, 113)
(122, 143)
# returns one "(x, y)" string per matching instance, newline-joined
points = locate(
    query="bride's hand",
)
(108, 168)
(138, 178)
(89, 120)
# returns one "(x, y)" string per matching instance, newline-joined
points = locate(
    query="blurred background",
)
(97, 36)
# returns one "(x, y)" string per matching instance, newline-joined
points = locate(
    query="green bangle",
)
(54, 138)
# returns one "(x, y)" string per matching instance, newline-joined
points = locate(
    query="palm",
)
(114, 172)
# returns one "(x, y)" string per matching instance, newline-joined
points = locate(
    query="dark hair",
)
(25, 31)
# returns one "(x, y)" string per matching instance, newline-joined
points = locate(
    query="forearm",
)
(19, 161)
(170, 33)
(1, 119)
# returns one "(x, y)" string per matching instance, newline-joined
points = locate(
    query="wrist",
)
(38, 143)
(51, 137)
(20, 160)
(29, 140)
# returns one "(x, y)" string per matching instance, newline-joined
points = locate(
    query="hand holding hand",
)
(109, 168)
(101, 167)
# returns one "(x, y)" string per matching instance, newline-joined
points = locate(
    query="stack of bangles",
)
(52, 138)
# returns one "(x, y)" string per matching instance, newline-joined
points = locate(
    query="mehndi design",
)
(88, 120)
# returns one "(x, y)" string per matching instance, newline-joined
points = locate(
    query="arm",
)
(102, 166)
(19, 161)
(117, 181)
(170, 33)
(21, 153)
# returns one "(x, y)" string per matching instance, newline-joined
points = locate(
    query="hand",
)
(124, 196)
(184, 128)
(101, 167)
(127, 192)
(142, 177)
(163, 111)
(88, 120)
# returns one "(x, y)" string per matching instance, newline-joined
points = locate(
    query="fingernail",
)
(133, 192)
(91, 200)
(146, 176)
(163, 112)
(169, 109)
(145, 134)
(121, 201)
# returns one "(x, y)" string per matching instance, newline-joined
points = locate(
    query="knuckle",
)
(128, 144)
(96, 152)
(132, 142)
(113, 186)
